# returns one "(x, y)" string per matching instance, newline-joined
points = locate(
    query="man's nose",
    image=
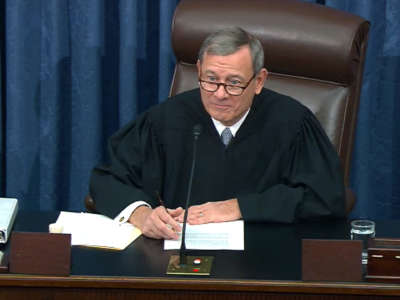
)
(221, 93)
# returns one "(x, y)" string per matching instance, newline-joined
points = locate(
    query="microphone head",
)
(197, 129)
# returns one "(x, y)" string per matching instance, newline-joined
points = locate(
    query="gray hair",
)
(228, 41)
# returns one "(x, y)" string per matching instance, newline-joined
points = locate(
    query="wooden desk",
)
(269, 268)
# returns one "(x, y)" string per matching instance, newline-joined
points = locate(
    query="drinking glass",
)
(363, 230)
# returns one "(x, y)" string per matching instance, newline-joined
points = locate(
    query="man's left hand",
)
(213, 212)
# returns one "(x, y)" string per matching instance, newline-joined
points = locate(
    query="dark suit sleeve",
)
(311, 183)
(134, 162)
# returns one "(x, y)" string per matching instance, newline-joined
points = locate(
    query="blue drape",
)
(75, 71)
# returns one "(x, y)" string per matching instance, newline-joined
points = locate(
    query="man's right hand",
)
(157, 223)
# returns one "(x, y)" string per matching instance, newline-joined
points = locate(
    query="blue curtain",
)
(376, 163)
(75, 71)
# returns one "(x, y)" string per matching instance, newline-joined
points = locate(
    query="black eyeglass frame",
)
(218, 84)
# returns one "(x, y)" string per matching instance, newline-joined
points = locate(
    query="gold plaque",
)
(195, 265)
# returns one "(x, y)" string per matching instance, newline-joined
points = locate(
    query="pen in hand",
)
(161, 202)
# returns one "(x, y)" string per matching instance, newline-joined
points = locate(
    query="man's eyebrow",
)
(235, 77)
(209, 72)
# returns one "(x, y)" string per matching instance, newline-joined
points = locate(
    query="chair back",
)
(313, 53)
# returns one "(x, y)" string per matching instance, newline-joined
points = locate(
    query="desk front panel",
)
(269, 266)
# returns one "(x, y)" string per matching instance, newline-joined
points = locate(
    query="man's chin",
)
(225, 121)
(222, 116)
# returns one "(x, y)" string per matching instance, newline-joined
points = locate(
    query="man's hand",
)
(157, 223)
(213, 212)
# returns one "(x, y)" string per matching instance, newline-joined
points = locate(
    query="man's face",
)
(233, 69)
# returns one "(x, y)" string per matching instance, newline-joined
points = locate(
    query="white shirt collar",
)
(234, 128)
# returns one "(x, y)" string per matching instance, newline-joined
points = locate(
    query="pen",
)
(162, 204)
(160, 201)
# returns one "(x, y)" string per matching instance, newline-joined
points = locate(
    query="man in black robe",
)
(278, 164)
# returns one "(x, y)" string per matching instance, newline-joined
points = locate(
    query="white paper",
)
(211, 236)
(95, 230)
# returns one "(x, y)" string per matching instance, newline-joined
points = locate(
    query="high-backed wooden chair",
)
(313, 53)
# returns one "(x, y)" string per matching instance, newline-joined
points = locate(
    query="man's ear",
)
(260, 79)
(198, 68)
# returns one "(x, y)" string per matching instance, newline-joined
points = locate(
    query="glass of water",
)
(363, 230)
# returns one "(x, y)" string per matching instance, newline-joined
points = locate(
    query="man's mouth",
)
(220, 106)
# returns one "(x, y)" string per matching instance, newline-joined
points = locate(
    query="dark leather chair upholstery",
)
(313, 53)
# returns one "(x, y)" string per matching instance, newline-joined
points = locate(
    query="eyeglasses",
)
(233, 90)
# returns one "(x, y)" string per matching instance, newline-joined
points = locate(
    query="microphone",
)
(182, 264)
(196, 133)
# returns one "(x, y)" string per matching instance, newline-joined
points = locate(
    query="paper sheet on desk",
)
(212, 236)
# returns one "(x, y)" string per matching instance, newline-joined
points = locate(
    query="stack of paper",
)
(93, 230)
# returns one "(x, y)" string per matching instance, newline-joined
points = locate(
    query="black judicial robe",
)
(280, 165)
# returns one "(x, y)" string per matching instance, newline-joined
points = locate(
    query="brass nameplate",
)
(192, 267)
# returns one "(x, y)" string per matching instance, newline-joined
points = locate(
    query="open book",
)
(93, 230)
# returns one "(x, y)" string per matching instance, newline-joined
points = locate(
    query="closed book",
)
(8, 211)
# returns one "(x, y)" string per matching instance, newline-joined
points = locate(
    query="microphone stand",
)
(183, 264)
(182, 251)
